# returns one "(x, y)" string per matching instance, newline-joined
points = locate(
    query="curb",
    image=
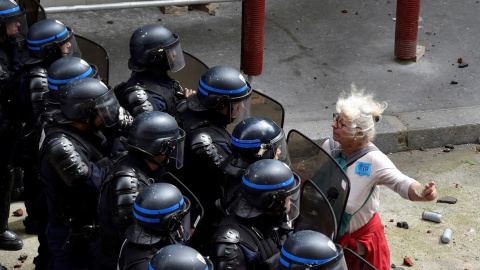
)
(411, 130)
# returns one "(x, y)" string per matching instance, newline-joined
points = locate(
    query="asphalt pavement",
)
(313, 51)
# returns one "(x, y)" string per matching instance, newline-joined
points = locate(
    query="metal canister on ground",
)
(432, 216)
(447, 235)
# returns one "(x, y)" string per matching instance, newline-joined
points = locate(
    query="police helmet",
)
(67, 69)
(221, 87)
(157, 133)
(155, 46)
(12, 20)
(50, 39)
(259, 138)
(161, 209)
(311, 250)
(179, 257)
(269, 185)
(81, 100)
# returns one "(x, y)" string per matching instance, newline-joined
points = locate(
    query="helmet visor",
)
(176, 156)
(292, 205)
(240, 110)
(280, 148)
(70, 47)
(180, 223)
(107, 107)
(175, 58)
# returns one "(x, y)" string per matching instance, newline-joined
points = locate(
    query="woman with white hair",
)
(367, 168)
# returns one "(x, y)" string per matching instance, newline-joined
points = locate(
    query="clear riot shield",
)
(264, 106)
(311, 162)
(316, 213)
(354, 261)
(34, 12)
(96, 54)
(196, 208)
(189, 75)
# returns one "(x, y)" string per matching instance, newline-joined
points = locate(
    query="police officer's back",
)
(154, 142)
(73, 160)
(223, 96)
(179, 257)
(252, 237)
(161, 218)
(311, 250)
(13, 29)
(154, 50)
(253, 139)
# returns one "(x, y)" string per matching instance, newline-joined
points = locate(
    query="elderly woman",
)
(367, 168)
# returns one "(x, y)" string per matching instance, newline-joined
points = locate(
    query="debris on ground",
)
(402, 224)
(469, 162)
(460, 60)
(447, 199)
(463, 65)
(18, 212)
(449, 146)
(453, 82)
(345, 11)
(23, 257)
(407, 261)
(446, 150)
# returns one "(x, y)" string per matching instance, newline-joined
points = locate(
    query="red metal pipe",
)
(406, 28)
(253, 23)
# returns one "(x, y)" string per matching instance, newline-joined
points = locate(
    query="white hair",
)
(361, 110)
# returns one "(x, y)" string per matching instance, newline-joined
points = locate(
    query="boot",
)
(8, 239)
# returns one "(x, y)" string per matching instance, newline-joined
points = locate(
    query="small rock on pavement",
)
(407, 261)
(18, 212)
(478, 147)
(449, 146)
(463, 65)
(447, 199)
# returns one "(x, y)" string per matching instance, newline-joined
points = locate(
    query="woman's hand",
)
(430, 192)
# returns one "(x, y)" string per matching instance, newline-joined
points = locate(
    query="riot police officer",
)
(13, 29)
(59, 74)
(154, 142)
(311, 250)
(253, 139)
(161, 218)
(252, 237)
(47, 41)
(73, 160)
(154, 50)
(223, 97)
(179, 257)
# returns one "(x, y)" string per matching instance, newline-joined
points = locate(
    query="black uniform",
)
(252, 237)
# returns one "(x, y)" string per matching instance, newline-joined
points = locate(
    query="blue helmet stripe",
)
(221, 91)
(264, 187)
(3, 12)
(71, 79)
(206, 268)
(282, 261)
(161, 211)
(47, 39)
(150, 266)
(33, 48)
(304, 261)
(246, 143)
(52, 87)
(144, 219)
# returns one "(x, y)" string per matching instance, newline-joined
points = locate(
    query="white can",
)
(447, 235)
(432, 216)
